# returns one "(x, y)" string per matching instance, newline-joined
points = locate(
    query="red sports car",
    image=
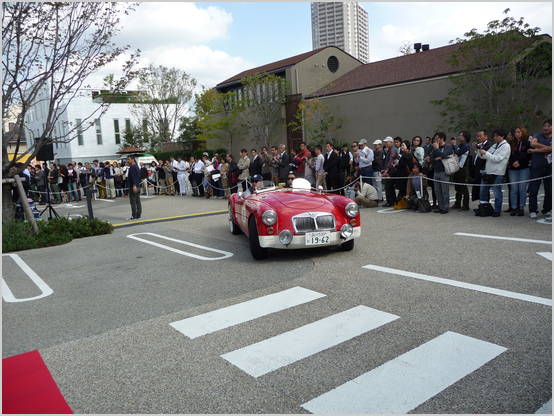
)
(296, 217)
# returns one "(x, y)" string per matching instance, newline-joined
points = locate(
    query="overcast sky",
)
(214, 41)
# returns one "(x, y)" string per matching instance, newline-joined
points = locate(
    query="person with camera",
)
(416, 190)
(366, 194)
(265, 161)
(496, 162)
(242, 165)
(442, 180)
(300, 160)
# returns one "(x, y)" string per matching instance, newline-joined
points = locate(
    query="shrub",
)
(18, 235)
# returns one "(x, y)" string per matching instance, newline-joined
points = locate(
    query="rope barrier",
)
(360, 179)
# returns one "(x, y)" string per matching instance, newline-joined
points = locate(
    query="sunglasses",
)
(291, 179)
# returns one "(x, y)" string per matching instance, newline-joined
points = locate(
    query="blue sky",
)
(213, 41)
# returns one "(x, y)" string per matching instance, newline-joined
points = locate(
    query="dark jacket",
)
(284, 165)
(443, 152)
(133, 176)
(255, 167)
(331, 164)
(143, 172)
(519, 154)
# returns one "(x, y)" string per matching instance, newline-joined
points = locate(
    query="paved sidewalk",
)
(154, 208)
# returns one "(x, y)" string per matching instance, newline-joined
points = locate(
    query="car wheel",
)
(258, 252)
(232, 224)
(349, 245)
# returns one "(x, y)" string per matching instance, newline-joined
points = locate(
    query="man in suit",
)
(283, 162)
(331, 168)
(255, 167)
(478, 163)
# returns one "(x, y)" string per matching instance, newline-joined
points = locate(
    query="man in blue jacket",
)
(133, 183)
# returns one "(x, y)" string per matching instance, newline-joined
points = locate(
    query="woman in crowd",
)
(518, 170)
(161, 176)
(224, 177)
(62, 182)
(153, 179)
(100, 180)
(403, 168)
(416, 182)
(309, 165)
(118, 179)
(215, 179)
(233, 170)
(72, 183)
(417, 149)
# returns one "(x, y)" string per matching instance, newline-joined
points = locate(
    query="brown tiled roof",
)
(416, 66)
(284, 63)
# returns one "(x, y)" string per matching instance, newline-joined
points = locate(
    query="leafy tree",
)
(317, 120)
(504, 72)
(48, 51)
(262, 96)
(219, 117)
(190, 133)
(162, 101)
(134, 136)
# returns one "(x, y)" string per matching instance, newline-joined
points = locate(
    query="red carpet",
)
(28, 386)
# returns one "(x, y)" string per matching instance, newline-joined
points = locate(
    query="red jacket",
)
(299, 159)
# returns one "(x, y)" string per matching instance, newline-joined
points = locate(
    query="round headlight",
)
(285, 237)
(346, 231)
(352, 209)
(269, 217)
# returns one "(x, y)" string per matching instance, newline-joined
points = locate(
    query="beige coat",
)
(244, 164)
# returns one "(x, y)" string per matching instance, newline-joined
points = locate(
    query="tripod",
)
(49, 207)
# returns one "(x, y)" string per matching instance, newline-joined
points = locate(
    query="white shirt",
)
(198, 167)
(183, 166)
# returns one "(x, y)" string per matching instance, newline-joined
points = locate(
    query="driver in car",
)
(257, 184)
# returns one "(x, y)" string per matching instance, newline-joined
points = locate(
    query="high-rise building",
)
(345, 25)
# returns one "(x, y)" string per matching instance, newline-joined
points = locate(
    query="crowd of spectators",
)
(395, 173)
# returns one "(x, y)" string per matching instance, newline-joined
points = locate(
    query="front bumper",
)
(299, 241)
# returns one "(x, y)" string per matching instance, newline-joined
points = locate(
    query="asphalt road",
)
(105, 331)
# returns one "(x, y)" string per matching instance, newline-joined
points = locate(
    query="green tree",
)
(189, 133)
(49, 49)
(317, 120)
(504, 72)
(219, 118)
(162, 101)
(262, 96)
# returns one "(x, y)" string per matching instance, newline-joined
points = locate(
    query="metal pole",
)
(25, 204)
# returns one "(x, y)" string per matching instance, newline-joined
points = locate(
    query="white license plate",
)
(318, 237)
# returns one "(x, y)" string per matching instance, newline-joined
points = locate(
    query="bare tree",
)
(48, 51)
(162, 102)
(263, 96)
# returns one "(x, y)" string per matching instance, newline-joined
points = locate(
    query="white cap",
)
(388, 139)
(377, 142)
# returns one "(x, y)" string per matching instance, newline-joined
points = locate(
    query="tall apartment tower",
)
(344, 25)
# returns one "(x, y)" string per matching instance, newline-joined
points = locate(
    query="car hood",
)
(301, 200)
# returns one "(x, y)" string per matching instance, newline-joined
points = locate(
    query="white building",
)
(101, 141)
(345, 25)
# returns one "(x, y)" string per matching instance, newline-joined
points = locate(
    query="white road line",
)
(463, 285)
(390, 210)
(226, 254)
(243, 312)
(273, 353)
(546, 255)
(546, 409)
(7, 294)
(409, 380)
(105, 200)
(524, 240)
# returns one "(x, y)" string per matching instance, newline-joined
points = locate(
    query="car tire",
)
(235, 229)
(257, 251)
(349, 245)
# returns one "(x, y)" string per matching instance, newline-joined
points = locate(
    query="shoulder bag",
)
(451, 164)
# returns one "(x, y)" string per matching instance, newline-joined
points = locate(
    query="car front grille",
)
(314, 221)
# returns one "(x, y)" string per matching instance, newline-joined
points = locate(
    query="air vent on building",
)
(425, 47)
(333, 64)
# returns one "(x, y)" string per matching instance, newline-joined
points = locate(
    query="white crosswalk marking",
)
(409, 380)
(546, 255)
(269, 355)
(207, 323)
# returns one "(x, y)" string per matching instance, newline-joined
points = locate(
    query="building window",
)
(98, 131)
(144, 125)
(80, 140)
(116, 130)
(127, 124)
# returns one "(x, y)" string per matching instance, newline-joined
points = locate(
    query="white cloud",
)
(172, 24)
(176, 35)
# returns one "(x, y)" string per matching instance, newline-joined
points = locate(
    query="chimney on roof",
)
(417, 47)
(425, 47)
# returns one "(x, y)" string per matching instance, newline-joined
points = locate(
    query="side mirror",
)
(239, 194)
(320, 188)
